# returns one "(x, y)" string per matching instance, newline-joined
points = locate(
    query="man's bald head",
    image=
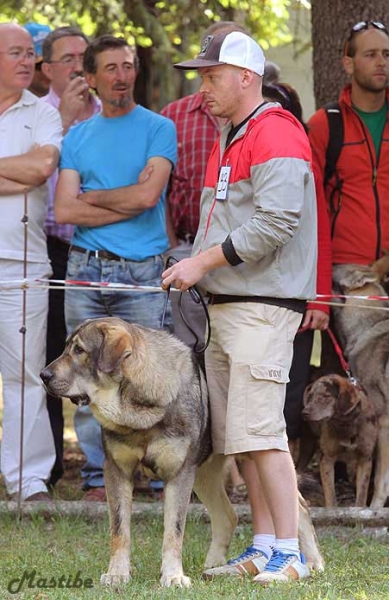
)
(11, 29)
(17, 60)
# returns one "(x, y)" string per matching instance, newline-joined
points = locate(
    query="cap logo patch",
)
(205, 45)
(40, 36)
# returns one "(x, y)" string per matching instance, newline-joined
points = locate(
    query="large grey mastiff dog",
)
(150, 397)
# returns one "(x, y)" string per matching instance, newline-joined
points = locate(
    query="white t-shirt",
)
(27, 122)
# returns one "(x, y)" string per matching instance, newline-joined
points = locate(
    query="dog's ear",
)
(348, 398)
(115, 347)
(381, 266)
(307, 394)
(332, 384)
(353, 280)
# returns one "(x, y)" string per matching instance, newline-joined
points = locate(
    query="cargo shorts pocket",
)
(265, 399)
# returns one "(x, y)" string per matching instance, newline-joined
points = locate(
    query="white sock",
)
(288, 546)
(265, 543)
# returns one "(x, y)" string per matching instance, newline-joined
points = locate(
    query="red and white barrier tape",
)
(59, 284)
(93, 285)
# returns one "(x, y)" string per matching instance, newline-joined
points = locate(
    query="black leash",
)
(198, 299)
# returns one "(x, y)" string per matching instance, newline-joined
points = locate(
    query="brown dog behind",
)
(344, 419)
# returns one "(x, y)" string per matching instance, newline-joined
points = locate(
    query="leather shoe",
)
(95, 494)
(37, 497)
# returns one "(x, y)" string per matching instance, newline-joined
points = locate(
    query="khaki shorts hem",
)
(218, 448)
(257, 444)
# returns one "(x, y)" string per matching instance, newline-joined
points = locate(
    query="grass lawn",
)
(59, 548)
(357, 567)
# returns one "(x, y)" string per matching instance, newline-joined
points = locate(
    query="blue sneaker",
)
(283, 568)
(250, 562)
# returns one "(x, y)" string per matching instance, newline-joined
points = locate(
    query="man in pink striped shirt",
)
(62, 54)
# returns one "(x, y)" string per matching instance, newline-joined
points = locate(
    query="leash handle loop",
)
(198, 299)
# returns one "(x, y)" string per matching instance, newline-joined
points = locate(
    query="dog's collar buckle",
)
(354, 381)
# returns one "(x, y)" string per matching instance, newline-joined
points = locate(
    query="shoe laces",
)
(246, 554)
(278, 560)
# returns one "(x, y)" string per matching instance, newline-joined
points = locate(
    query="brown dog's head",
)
(330, 396)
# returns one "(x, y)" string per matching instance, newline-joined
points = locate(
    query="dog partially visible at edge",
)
(151, 399)
(344, 420)
(362, 328)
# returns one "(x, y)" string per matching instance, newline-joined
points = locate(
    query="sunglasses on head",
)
(362, 26)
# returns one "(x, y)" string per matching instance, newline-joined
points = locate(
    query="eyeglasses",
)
(70, 60)
(362, 26)
(18, 54)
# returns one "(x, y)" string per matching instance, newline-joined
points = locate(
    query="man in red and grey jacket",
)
(255, 254)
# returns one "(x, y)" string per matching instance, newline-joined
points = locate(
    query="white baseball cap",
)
(234, 48)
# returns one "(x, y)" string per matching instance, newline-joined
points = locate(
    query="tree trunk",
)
(332, 21)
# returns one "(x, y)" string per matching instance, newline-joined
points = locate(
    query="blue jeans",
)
(142, 308)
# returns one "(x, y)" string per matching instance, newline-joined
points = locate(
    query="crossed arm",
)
(19, 174)
(102, 207)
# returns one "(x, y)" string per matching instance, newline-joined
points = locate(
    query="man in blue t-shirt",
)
(113, 174)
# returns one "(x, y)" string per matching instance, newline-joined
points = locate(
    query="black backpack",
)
(335, 142)
(334, 148)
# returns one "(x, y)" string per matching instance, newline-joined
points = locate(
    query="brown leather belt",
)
(104, 254)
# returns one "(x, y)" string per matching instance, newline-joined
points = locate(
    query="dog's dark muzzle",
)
(60, 388)
(46, 375)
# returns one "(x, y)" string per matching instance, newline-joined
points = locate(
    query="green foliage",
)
(168, 31)
(176, 26)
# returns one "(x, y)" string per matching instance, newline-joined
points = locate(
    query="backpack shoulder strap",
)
(335, 139)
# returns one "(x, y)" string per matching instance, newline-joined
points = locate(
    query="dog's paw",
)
(114, 580)
(175, 580)
(215, 558)
(318, 565)
(377, 501)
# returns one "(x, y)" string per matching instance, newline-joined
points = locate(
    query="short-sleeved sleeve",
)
(48, 126)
